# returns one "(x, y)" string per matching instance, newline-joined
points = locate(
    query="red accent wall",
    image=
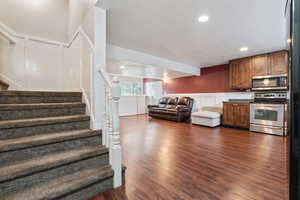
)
(212, 79)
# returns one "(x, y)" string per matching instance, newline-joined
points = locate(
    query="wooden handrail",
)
(6, 32)
(10, 34)
(106, 77)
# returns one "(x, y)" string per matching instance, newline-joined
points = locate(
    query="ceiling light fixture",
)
(122, 67)
(289, 40)
(166, 79)
(203, 18)
(243, 49)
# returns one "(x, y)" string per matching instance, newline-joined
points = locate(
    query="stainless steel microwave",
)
(273, 82)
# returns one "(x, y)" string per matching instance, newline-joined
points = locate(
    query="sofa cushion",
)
(183, 101)
(207, 114)
(183, 108)
(218, 109)
(171, 107)
(164, 111)
(163, 102)
(172, 101)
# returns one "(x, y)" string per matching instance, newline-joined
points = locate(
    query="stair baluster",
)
(112, 125)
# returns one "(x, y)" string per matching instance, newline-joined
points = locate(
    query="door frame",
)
(295, 102)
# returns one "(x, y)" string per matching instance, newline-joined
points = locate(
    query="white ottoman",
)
(206, 118)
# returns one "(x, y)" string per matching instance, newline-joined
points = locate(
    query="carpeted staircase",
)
(47, 150)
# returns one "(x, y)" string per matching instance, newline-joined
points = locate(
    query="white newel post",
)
(105, 119)
(115, 147)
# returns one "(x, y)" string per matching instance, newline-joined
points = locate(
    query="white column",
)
(115, 147)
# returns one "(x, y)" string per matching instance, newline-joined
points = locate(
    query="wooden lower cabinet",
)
(236, 114)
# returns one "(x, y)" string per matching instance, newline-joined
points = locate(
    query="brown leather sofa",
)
(172, 108)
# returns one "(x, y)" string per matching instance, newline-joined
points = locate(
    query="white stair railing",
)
(111, 125)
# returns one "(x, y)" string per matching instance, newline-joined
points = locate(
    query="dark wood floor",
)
(179, 161)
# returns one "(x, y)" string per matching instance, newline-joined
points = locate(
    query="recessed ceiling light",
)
(243, 49)
(289, 40)
(203, 18)
(122, 67)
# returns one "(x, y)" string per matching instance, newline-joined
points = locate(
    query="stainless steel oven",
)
(274, 82)
(268, 113)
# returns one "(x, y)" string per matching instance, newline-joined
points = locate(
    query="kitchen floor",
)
(179, 161)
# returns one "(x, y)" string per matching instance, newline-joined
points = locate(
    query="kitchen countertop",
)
(239, 101)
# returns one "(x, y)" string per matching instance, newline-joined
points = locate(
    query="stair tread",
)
(39, 105)
(39, 93)
(39, 121)
(30, 141)
(48, 161)
(64, 185)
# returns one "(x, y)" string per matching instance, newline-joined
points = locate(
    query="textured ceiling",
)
(170, 29)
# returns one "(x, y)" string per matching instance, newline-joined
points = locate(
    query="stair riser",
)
(38, 113)
(11, 157)
(22, 183)
(17, 99)
(12, 133)
(91, 191)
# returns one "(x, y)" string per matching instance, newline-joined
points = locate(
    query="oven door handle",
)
(275, 108)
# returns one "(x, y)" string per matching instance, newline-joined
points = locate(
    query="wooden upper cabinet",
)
(233, 75)
(240, 74)
(260, 65)
(278, 63)
(242, 70)
(245, 71)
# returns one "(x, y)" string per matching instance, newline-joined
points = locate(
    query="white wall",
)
(30, 65)
(99, 62)
(214, 99)
(39, 64)
(42, 18)
(33, 65)
(51, 19)
(132, 105)
(80, 11)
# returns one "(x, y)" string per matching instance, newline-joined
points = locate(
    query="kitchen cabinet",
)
(236, 114)
(278, 63)
(260, 65)
(240, 74)
(275, 63)
(242, 70)
(234, 75)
